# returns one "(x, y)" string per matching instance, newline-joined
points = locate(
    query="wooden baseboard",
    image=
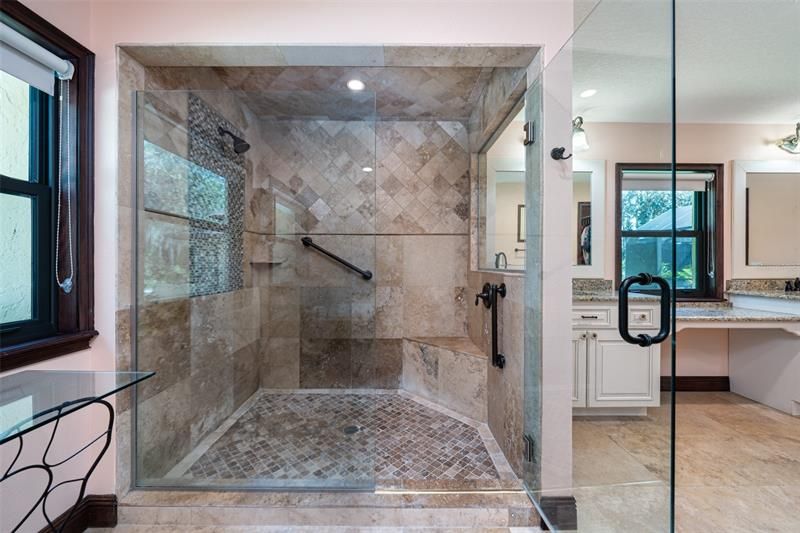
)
(698, 383)
(92, 511)
(561, 512)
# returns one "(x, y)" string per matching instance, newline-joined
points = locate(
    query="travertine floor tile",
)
(345, 438)
(737, 468)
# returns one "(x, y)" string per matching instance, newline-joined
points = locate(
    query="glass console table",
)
(35, 398)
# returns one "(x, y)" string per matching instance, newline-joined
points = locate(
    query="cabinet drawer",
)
(642, 317)
(598, 316)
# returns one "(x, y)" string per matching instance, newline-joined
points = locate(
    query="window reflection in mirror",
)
(773, 209)
(503, 199)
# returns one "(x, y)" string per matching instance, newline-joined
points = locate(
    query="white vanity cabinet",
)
(611, 376)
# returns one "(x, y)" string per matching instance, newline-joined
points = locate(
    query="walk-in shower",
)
(301, 281)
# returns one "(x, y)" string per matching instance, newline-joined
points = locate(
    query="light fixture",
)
(791, 143)
(580, 143)
(367, 169)
(588, 93)
(356, 85)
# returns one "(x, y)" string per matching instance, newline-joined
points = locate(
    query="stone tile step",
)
(359, 510)
(129, 528)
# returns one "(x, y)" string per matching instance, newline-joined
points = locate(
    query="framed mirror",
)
(588, 218)
(501, 200)
(766, 219)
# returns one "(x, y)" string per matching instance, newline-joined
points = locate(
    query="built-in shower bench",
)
(450, 371)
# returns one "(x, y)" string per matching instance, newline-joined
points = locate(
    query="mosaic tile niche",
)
(216, 203)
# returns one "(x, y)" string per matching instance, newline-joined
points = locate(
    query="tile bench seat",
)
(450, 371)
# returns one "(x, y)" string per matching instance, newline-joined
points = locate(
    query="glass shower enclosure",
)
(239, 195)
(594, 463)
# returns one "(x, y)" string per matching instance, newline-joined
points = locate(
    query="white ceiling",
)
(737, 61)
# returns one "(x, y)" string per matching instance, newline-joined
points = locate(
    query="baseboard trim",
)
(698, 383)
(93, 511)
(561, 512)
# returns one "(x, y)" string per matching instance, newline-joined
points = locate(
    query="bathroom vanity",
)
(611, 376)
(764, 341)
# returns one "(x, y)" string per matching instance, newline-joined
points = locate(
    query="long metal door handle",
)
(498, 359)
(643, 339)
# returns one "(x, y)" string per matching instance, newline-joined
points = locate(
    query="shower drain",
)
(349, 430)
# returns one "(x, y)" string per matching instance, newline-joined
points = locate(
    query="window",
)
(644, 226)
(26, 191)
(44, 123)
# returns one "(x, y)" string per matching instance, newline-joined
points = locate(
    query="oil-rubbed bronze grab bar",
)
(489, 296)
(308, 243)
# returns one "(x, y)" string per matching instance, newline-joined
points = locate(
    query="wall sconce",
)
(580, 143)
(791, 143)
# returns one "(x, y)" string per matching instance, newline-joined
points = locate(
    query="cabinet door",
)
(622, 374)
(579, 345)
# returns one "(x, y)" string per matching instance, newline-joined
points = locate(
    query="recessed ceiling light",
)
(588, 93)
(367, 169)
(355, 85)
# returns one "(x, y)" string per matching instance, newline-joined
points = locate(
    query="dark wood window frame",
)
(73, 313)
(717, 294)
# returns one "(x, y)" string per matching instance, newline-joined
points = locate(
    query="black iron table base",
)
(47, 466)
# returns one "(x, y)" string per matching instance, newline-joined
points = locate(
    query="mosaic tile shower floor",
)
(346, 440)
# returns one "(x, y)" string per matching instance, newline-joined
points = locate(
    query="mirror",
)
(766, 218)
(582, 218)
(588, 205)
(502, 198)
(772, 203)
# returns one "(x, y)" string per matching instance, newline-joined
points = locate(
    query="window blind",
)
(29, 62)
(661, 180)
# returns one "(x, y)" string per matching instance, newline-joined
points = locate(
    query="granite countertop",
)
(610, 296)
(783, 295)
(726, 313)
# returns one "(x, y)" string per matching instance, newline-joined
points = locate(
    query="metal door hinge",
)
(530, 447)
(530, 131)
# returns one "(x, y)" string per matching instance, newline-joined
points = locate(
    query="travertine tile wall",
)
(131, 77)
(302, 321)
(423, 177)
(504, 387)
(313, 170)
(205, 349)
(406, 222)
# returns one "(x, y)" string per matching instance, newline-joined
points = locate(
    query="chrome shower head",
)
(240, 146)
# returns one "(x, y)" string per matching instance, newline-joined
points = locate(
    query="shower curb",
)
(478, 509)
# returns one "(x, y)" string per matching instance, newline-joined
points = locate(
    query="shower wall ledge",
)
(452, 372)
(278, 55)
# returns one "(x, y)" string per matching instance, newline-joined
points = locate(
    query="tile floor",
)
(309, 529)
(346, 440)
(738, 468)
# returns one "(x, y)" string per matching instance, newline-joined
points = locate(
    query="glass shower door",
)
(258, 339)
(598, 426)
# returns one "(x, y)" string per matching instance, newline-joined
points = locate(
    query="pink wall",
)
(102, 25)
(700, 352)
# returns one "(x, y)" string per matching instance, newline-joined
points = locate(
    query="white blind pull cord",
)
(63, 181)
